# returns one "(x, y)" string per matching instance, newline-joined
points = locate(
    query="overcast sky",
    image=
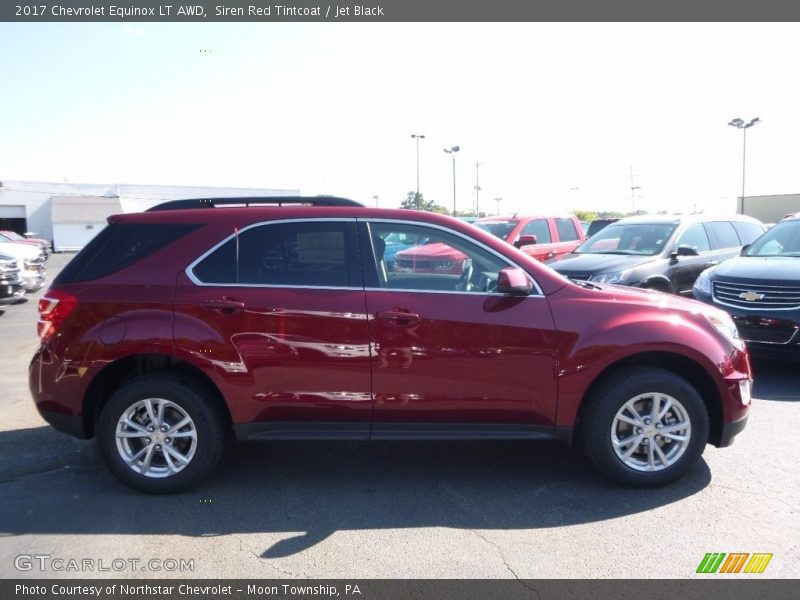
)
(558, 114)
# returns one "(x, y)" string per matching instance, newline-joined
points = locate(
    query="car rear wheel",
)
(159, 434)
(645, 427)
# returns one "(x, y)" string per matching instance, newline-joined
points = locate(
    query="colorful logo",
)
(735, 562)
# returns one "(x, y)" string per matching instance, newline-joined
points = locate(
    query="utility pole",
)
(477, 188)
(418, 137)
(633, 194)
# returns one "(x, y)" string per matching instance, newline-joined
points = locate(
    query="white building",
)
(71, 214)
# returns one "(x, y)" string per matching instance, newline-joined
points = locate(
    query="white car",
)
(30, 259)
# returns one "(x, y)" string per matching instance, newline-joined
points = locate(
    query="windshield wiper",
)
(585, 284)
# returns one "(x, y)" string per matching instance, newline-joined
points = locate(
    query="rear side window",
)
(748, 232)
(120, 245)
(540, 228)
(566, 230)
(306, 254)
(722, 235)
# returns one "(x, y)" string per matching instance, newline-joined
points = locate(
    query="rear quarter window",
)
(722, 235)
(120, 245)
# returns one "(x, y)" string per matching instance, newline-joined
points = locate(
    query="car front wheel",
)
(645, 427)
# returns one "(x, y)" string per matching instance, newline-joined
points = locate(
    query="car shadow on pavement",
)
(776, 380)
(53, 484)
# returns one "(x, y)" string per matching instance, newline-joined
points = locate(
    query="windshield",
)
(500, 229)
(781, 240)
(647, 239)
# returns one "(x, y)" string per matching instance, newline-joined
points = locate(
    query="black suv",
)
(661, 252)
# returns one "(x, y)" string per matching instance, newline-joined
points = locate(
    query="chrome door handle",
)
(225, 306)
(397, 317)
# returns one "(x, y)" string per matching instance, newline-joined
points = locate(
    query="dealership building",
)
(71, 214)
(769, 209)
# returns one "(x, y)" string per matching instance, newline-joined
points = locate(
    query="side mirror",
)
(514, 281)
(745, 248)
(685, 251)
(526, 240)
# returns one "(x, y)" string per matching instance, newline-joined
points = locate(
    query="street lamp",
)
(417, 137)
(498, 200)
(453, 151)
(740, 124)
(477, 188)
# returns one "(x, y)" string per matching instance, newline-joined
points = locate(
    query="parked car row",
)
(22, 265)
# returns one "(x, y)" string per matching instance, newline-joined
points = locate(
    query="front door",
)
(450, 355)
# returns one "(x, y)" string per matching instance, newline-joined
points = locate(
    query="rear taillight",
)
(54, 307)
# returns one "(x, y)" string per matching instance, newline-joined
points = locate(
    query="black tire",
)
(611, 395)
(209, 423)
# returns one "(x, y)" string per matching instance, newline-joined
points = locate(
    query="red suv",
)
(176, 327)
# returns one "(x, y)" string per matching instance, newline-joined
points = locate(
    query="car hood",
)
(764, 268)
(590, 264)
(435, 250)
(20, 249)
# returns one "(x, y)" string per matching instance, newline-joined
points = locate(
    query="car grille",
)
(407, 263)
(765, 331)
(757, 296)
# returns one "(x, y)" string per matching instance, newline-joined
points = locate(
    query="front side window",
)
(307, 254)
(445, 262)
(694, 237)
(501, 229)
(540, 228)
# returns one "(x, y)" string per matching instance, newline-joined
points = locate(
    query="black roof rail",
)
(254, 201)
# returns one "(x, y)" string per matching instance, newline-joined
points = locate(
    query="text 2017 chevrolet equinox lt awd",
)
(278, 319)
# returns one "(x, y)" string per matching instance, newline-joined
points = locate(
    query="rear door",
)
(275, 314)
(450, 356)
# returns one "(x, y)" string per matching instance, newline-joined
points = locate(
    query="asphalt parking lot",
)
(393, 510)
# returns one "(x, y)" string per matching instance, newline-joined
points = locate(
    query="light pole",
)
(740, 124)
(498, 200)
(418, 137)
(452, 152)
(477, 188)
(376, 200)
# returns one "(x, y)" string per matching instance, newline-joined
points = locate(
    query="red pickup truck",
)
(542, 237)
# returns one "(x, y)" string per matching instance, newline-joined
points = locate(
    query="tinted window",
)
(722, 235)
(311, 254)
(500, 229)
(120, 245)
(748, 232)
(566, 230)
(446, 262)
(540, 228)
(695, 237)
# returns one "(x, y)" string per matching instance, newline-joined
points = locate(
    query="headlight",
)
(613, 277)
(703, 282)
(724, 324)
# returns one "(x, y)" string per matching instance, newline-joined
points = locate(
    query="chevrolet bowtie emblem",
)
(751, 296)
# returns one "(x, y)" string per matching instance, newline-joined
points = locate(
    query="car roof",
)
(516, 217)
(683, 219)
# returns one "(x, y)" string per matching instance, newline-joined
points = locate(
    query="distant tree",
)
(609, 214)
(411, 202)
(585, 215)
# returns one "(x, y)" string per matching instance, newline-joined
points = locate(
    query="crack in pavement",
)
(505, 562)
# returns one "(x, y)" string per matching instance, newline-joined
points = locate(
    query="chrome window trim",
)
(502, 257)
(189, 271)
(193, 278)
